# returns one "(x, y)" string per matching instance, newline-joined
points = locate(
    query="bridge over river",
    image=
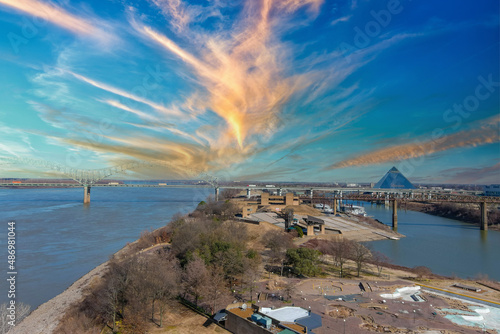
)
(94, 178)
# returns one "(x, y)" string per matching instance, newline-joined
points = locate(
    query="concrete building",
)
(315, 221)
(492, 190)
(243, 319)
(273, 202)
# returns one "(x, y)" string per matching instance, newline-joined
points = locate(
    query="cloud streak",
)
(486, 133)
(58, 16)
(123, 93)
(243, 77)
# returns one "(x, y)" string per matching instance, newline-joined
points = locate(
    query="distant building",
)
(394, 179)
(242, 318)
(492, 190)
(274, 202)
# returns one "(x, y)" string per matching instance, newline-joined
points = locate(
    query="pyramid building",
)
(393, 179)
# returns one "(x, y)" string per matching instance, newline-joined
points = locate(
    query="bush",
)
(299, 231)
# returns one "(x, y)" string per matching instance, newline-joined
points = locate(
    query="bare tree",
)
(360, 254)
(341, 251)
(251, 278)
(278, 242)
(422, 271)
(289, 288)
(216, 286)
(162, 283)
(229, 193)
(379, 259)
(195, 277)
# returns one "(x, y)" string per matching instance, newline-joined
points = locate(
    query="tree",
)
(162, 283)
(215, 286)
(379, 259)
(278, 242)
(289, 288)
(229, 193)
(422, 271)
(341, 251)
(251, 277)
(360, 254)
(195, 278)
(304, 261)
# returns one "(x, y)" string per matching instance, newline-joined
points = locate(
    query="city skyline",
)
(284, 90)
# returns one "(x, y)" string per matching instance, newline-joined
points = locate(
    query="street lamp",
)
(413, 316)
(344, 326)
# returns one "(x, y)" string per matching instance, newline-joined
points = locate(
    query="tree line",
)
(202, 259)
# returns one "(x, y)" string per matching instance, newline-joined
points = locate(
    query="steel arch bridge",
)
(89, 177)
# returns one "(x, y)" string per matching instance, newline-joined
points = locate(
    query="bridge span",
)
(335, 194)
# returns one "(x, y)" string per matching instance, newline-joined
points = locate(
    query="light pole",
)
(414, 316)
(344, 326)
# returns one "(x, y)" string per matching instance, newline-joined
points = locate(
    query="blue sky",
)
(292, 90)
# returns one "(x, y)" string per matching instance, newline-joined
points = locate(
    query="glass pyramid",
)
(393, 179)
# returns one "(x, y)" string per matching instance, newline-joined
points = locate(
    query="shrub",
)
(299, 231)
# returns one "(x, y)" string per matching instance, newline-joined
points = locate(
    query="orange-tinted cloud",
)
(244, 75)
(486, 133)
(58, 16)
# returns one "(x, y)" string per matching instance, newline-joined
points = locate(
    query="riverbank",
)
(467, 213)
(47, 317)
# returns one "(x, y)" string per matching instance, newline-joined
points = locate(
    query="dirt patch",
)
(370, 325)
(340, 311)
(180, 319)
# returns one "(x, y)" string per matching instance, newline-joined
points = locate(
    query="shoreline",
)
(427, 208)
(46, 317)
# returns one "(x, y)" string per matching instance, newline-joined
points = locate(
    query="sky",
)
(278, 90)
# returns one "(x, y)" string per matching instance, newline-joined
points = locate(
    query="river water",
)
(59, 239)
(448, 247)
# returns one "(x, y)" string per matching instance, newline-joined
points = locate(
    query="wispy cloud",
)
(488, 174)
(243, 76)
(123, 93)
(61, 17)
(248, 85)
(341, 19)
(486, 133)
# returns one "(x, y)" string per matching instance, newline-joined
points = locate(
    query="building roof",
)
(267, 217)
(312, 321)
(242, 313)
(285, 314)
(287, 331)
(394, 179)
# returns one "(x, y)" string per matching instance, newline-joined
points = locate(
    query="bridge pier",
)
(217, 194)
(484, 216)
(395, 215)
(86, 194)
